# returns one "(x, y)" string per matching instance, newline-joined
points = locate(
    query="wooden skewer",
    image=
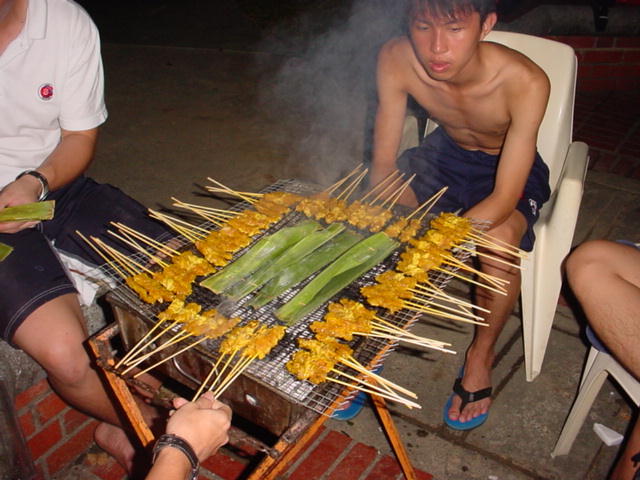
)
(393, 199)
(432, 201)
(159, 246)
(425, 309)
(379, 322)
(222, 212)
(238, 371)
(339, 183)
(370, 389)
(454, 262)
(410, 340)
(386, 189)
(124, 261)
(136, 246)
(172, 341)
(494, 243)
(221, 373)
(204, 383)
(385, 389)
(353, 363)
(488, 256)
(461, 310)
(139, 347)
(224, 190)
(470, 280)
(380, 184)
(233, 192)
(176, 353)
(431, 289)
(139, 343)
(174, 223)
(109, 261)
(404, 334)
(346, 193)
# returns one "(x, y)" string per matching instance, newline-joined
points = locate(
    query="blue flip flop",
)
(353, 408)
(467, 397)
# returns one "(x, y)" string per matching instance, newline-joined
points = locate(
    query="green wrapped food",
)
(306, 267)
(5, 251)
(287, 260)
(28, 212)
(266, 250)
(345, 269)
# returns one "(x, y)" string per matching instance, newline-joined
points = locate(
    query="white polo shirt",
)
(51, 77)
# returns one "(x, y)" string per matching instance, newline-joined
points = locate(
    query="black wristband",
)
(171, 440)
(43, 182)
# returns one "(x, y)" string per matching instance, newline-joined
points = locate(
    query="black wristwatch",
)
(171, 440)
(43, 182)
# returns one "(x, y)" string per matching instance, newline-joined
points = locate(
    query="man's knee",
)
(66, 364)
(586, 260)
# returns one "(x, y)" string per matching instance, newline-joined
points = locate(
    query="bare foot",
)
(115, 442)
(477, 376)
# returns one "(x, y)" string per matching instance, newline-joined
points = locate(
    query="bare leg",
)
(480, 354)
(605, 277)
(53, 335)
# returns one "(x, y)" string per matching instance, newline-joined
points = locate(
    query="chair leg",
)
(587, 393)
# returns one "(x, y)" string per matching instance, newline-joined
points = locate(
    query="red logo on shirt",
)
(45, 92)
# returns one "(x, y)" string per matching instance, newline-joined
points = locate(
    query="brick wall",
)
(605, 63)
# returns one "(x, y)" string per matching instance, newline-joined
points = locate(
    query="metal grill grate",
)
(271, 370)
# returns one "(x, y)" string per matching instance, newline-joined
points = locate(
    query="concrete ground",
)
(179, 115)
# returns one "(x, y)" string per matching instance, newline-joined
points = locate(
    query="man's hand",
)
(19, 192)
(203, 423)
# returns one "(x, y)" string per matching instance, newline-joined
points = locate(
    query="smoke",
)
(325, 88)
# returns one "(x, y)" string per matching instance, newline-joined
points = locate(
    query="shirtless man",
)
(489, 101)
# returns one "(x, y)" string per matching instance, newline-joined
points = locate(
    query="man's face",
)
(445, 45)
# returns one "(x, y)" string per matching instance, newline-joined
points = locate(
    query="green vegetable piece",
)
(284, 261)
(5, 251)
(349, 266)
(266, 249)
(306, 267)
(28, 212)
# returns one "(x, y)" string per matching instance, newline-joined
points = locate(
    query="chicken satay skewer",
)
(126, 262)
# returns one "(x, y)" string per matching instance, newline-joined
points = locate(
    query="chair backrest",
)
(559, 63)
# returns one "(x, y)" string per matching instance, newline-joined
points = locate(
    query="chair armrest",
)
(564, 205)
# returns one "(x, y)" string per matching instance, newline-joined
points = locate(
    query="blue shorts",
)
(470, 175)
(32, 274)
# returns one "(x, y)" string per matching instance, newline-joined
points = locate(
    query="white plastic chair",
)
(567, 162)
(598, 367)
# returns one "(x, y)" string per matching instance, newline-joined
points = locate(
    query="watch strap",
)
(44, 183)
(171, 440)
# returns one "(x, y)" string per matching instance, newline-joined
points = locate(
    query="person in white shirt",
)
(51, 99)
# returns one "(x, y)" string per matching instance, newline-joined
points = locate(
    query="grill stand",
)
(290, 443)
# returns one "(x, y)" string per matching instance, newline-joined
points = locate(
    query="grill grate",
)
(271, 370)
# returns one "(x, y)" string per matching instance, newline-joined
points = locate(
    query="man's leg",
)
(53, 335)
(480, 354)
(605, 277)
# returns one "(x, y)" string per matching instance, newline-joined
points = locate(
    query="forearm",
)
(70, 159)
(170, 464)
(493, 208)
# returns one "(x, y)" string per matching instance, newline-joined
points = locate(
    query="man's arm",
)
(67, 162)
(528, 102)
(390, 116)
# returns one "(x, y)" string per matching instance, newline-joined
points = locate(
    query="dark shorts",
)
(32, 275)
(470, 176)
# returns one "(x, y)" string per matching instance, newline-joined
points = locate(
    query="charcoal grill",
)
(266, 394)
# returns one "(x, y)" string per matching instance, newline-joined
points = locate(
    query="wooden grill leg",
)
(394, 437)
(101, 350)
(289, 445)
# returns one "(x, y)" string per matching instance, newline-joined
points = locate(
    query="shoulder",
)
(396, 51)
(519, 75)
(69, 16)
